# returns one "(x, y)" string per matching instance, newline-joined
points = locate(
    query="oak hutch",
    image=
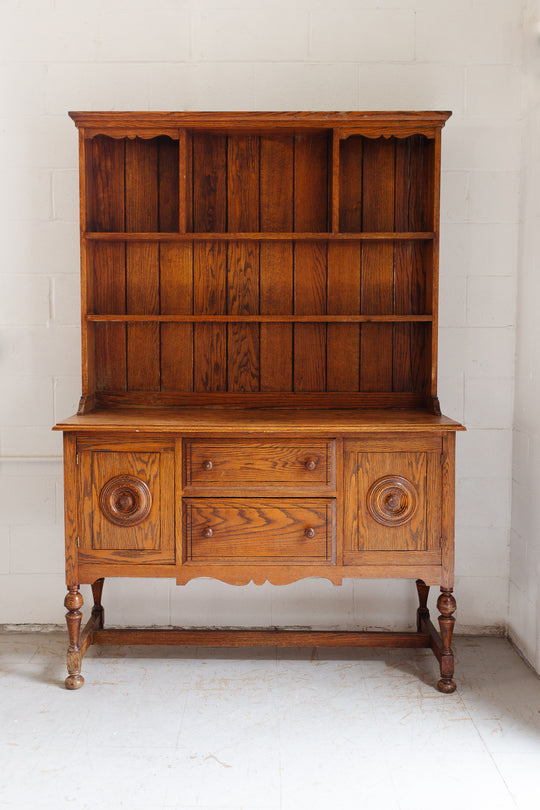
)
(259, 345)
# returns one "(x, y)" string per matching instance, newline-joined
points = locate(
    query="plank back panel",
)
(344, 273)
(310, 260)
(378, 186)
(176, 286)
(243, 262)
(142, 265)
(276, 262)
(213, 182)
(343, 340)
(175, 276)
(105, 207)
(210, 261)
(411, 214)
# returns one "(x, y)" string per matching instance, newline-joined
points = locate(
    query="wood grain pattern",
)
(243, 263)
(142, 265)
(230, 528)
(276, 262)
(310, 260)
(378, 178)
(411, 213)
(343, 341)
(210, 261)
(176, 296)
(106, 211)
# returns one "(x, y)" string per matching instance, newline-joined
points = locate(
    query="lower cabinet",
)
(145, 501)
(250, 509)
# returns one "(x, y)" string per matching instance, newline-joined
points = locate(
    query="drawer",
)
(260, 463)
(267, 528)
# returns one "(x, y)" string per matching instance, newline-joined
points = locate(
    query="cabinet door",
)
(393, 500)
(127, 502)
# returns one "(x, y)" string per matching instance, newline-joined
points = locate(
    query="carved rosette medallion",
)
(125, 500)
(392, 500)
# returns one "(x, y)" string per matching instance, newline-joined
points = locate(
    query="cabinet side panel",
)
(210, 261)
(142, 264)
(276, 262)
(243, 262)
(310, 260)
(377, 264)
(71, 508)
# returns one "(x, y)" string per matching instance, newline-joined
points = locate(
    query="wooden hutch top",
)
(259, 260)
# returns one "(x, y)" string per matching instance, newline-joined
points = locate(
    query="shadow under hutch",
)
(259, 383)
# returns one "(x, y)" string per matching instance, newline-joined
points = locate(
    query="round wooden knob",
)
(207, 465)
(208, 532)
(309, 533)
(310, 463)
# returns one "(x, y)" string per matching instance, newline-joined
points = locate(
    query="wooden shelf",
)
(259, 318)
(119, 236)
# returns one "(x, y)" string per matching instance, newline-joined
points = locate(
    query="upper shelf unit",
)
(236, 184)
(259, 257)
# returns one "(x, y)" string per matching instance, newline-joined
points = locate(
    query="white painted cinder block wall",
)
(59, 55)
(524, 616)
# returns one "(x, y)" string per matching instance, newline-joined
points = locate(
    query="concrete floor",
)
(250, 729)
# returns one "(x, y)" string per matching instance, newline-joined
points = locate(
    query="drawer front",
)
(264, 529)
(259, 463)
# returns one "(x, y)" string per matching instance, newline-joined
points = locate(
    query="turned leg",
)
(97, 610)
(446, 605)
(73, 602)
(422, 613)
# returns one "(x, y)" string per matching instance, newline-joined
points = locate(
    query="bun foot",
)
(74, 681)
(446, 685)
